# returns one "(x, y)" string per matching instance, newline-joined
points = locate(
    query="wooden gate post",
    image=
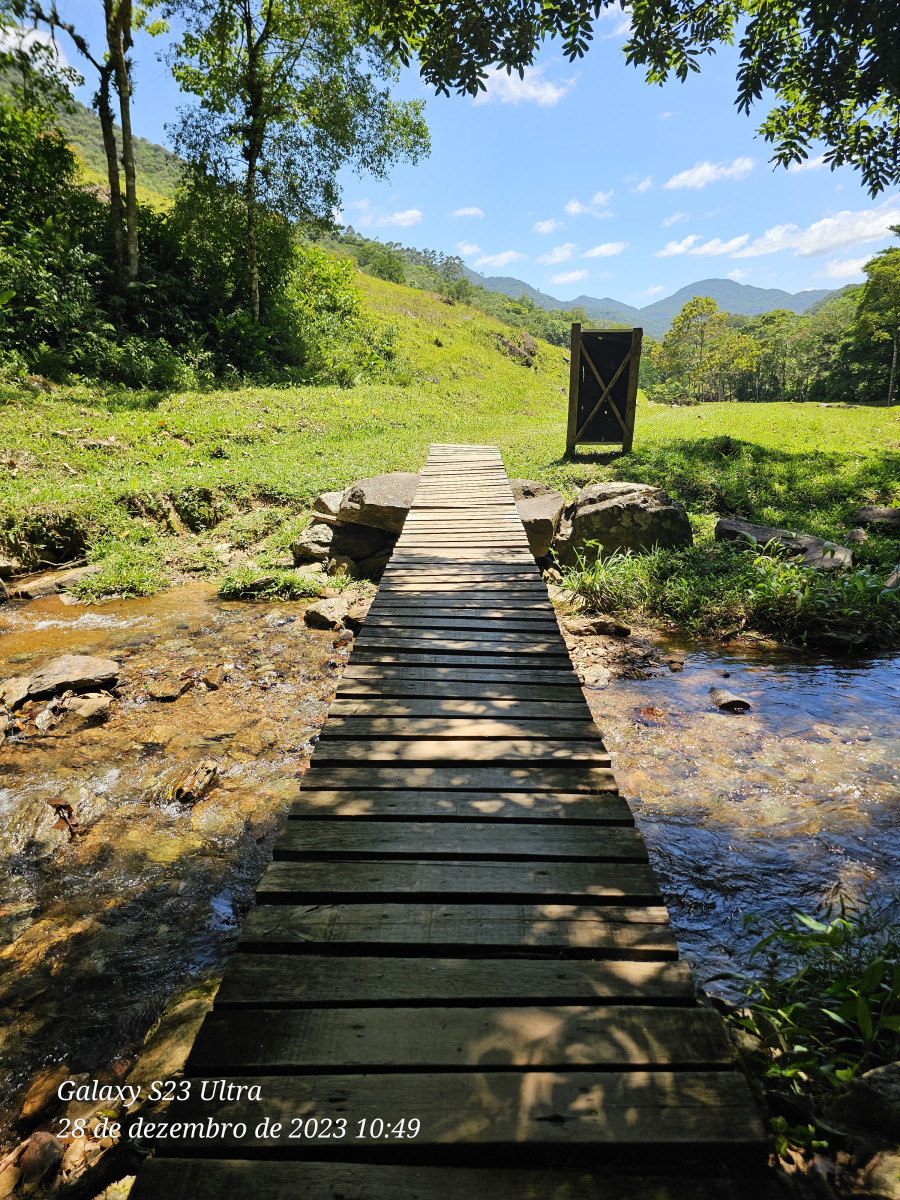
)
(574, 370)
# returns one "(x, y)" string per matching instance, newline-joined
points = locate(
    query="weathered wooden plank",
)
(457, 804)
(521, 610)
(412, 631)
(514, 1111)
(485, 1038)
(407, 660)
(461, 672)
(456, 882)
(426, 622)
(556, 777)
(524, 714)
(411, 649)
(423, 685)
(236, 1179)
(439, 751)
(348, 840)
(318, 981)
(443, 726)
(472, 931)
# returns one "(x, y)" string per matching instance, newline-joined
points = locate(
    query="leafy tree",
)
(287, 94)
(114, 70)
(700, 354)
(878, 311)
(833, 67)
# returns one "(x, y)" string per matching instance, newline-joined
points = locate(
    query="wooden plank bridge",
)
(459, 979)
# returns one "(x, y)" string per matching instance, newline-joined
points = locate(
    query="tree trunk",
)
(119, 40)
(107, 126)
(252, 248)
(893, 378)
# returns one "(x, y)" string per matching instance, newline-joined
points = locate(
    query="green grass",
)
(212, 457)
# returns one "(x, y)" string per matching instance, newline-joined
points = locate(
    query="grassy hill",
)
(158, 170)
(241, 466)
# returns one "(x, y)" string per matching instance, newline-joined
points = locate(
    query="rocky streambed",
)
(119, 887)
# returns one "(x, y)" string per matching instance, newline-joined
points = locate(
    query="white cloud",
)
(619, 21)
(831, 233)
(849, 268)
(605, 250)
(664, 116)
(12, 38)
(468, 248)
(644, 186)
(472, 211)
(500, 260)
(651, 291)
(595, 208)
(568, 277)
(557, 255)
(737, 275)
(531, 88)
(807, 164)
(364, 209)
(546, 226)
(410, 216)
(702, 173)
(692, 245)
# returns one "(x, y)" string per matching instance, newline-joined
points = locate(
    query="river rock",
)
(881, 1176)
(588, 626)
(36, 589)
(728, 701)
(41, 1099)
(314, 543)
(78, 672)
(872, 514)
(595, 676)
(809, 551)
(341, 564)
(381, 502)
(539, 507)
(167, 689)
(166, 1049)
(9, 566)
(892, 583)
(621, 516)
(360, 541)
(14, 691)
(328, 504)
(92, 708)
(373, 567)
(857, 536)
(327, 614)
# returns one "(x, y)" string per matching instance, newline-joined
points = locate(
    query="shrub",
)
(826, 1004)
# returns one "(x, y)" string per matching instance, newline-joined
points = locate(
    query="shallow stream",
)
(781, 806)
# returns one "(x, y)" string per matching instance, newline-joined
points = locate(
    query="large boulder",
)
(381, 502)
(621, 516)
(75, 672)
(805, 549)
(313, 544)
(540, 507)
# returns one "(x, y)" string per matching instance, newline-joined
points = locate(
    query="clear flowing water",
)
(779, 807)
(764, 811)
(98, 930)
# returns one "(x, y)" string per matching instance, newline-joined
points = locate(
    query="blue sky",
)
(583, 179)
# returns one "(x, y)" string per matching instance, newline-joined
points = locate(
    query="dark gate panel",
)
(603, 386)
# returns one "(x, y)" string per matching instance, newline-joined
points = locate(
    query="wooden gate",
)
(603, 380)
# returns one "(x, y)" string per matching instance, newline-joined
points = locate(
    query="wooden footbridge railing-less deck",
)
(459, 979)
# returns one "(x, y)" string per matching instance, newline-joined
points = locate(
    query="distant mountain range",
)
(656, 318)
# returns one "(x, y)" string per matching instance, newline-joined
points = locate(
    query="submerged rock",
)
(809, 551)
(77, 672)
(621, 516)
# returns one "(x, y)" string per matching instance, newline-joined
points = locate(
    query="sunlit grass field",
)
(209, 456)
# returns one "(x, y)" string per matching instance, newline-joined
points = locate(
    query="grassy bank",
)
(152, 483)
